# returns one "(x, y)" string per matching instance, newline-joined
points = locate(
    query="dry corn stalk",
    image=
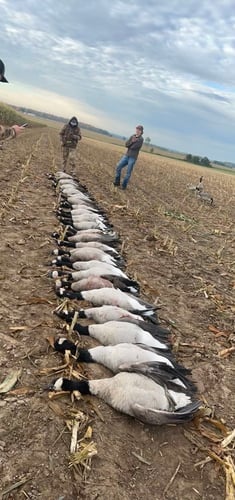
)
(10, 381)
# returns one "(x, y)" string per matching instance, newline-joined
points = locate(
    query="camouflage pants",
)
(68, 153)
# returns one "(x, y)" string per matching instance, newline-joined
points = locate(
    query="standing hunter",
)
(70, 135)
(7, 133)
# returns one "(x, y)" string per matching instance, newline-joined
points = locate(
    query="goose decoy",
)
(102, 314)
(145, 391)
(118, 332)
(112, 297)
(113, 356)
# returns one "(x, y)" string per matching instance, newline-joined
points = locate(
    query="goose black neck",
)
(85, 356)
(69, 244)
(82, 313)
(66, 345)
(82, 330)
(73, 385)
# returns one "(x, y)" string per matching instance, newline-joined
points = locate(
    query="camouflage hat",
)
(2, 72)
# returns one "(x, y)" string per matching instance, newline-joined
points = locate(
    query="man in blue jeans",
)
(134, 144)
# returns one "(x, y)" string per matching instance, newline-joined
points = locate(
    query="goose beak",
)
(48, 387)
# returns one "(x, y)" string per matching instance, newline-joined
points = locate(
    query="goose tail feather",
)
(161, 417)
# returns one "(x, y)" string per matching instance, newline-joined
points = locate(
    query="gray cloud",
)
(170, 66)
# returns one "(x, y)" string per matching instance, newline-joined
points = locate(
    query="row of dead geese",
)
(148, 383)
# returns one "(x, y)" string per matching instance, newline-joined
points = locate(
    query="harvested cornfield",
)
(181, 251)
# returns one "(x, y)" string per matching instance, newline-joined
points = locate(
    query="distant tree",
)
(196, 160)
(205, 162)
(188, 157)
(147, 141)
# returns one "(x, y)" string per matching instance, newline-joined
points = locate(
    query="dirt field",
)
(182, 253)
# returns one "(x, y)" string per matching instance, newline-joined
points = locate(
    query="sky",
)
(169, 66)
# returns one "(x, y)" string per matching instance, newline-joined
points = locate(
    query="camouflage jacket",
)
(6, 133)
(70, 136)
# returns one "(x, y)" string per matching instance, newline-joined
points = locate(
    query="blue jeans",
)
(125, 161)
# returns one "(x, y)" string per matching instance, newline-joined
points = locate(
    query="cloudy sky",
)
(115, 64)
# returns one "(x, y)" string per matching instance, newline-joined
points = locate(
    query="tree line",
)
(198, 160)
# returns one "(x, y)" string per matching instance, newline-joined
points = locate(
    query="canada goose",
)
(88, 210)
(147, 393)
(99, 269)
(81, 217)
(111, 312)
(113, 356)
(117, 332)
(106, 281)
(79, 226)
(113, 297)
(84, 265)
(102, 314)
(197, 188)
(78, 207)
(94, 235)
(91, 244)
(80, 265)
(78, 198)
(67, 218)
(206, 197)
(122, 328)
(89, 253)
(86, 284)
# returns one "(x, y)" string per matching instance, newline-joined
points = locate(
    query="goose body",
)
(89, 225)
(85, 216)
(93, 235)
(98, 270)
(113, 356)
(90, 244)
(79, 208)
(88, 254)
(95, 282)
(117, 332)
(108, 313)
(87, 211)
(152, 400)
(81, 265)
(113, 297)
(86, 284)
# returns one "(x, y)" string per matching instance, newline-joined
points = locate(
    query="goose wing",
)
(168, 355)
(163, 375)
(155, 330)
(161, 417)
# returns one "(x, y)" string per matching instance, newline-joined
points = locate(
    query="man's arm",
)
(137, 144)
(129, 141)
(78, 134)
(62, 132)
